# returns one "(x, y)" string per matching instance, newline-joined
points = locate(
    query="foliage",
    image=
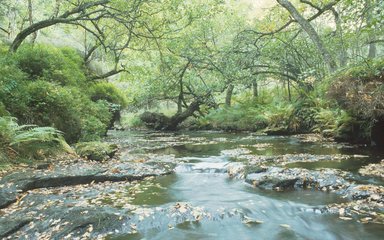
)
(44, 85)
(29, 141)
(53, 105)
(249, 116)
(108, 92)
(92, 129)
(62, 66)
(3, 110)
(131, 120)
(360, 89)
(177, 51)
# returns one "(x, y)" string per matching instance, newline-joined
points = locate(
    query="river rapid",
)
(235, 209)
(200, 185)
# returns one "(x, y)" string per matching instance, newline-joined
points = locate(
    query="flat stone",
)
(296, 178)
(75, 174)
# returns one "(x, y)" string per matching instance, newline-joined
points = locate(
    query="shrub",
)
(51, 64)
(12, 82)
(360, 89)
(92, 129)
(43, 85)
(131, 120)
(52, 105)
(3, 110)
(107, 91)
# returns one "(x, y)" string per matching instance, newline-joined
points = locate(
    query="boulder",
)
(96, 151)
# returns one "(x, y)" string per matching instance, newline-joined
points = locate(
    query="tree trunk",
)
(30, 16)
(254, 89)
(178, 118)
(57, 8)
(307, 27)
(372, 47)
(343, 55)
(180, 103)
(371, 37)
(21, 36)
(159, 121)
(228, 96)
(289, 90)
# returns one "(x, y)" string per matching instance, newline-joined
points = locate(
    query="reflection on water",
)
(200, 180)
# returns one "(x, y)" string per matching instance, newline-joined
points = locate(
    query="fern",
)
(36, 134)
(30, 140)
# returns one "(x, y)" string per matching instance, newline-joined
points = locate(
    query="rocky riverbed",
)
(127, 196)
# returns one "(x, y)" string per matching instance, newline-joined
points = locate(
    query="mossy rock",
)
(275, 131)
(249, 169)
(97, 151)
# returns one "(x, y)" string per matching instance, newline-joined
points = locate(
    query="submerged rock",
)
(275, 178)
(10, 226)
(291, 158)
(367, 204)
(374, 169)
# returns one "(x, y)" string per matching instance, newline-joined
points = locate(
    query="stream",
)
(201, 180)
(209, 194)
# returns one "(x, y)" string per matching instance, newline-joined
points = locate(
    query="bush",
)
(62, 66)
(240, 117)
(43, 85)
(360, 89)
(92, 129)
(3, 110)
(12, 82)
(52, 105)
(107, 91)
(131, 120)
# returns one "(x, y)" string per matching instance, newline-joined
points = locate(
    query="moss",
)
(97, 151)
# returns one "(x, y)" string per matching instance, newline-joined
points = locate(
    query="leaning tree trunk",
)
(307, 27)
(32, 29)
(178, 118)
(159, 121)
(69, 17)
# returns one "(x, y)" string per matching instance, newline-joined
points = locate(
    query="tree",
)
(307, 27)
(89, 11)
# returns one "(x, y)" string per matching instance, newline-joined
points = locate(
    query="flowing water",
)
(200, 180)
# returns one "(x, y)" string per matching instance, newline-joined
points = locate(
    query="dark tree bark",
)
(255, 91)
(228, 96)
(108, 74)
(159, 121)
(307, 27)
